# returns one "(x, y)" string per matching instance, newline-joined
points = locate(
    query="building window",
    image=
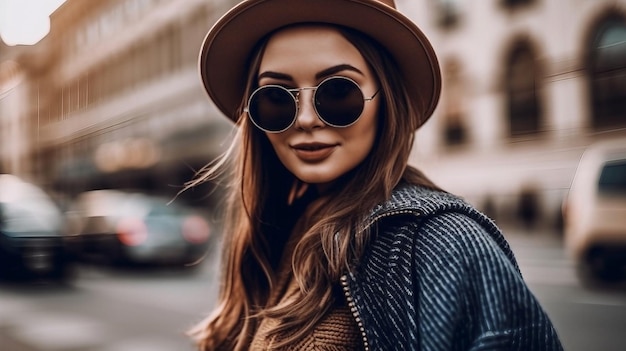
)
(607, 72)
(455, 130)
(448, 12)
(521, 88)
(515, 3)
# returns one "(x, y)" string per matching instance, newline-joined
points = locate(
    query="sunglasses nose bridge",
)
(306, 115)
(300, 90)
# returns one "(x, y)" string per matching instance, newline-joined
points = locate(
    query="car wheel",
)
(63, 274)
(602, 268)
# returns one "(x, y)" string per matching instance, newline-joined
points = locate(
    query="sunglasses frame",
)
(295, 95)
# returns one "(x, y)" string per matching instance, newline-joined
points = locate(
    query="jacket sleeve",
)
(471, 296)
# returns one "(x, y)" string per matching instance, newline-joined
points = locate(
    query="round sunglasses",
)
(338, 102)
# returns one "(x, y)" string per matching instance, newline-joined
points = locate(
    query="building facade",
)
(527, 86)
(112, 97)
(119, 99)
(15, 135)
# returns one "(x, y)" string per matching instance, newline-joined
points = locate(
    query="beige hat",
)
(228, 46)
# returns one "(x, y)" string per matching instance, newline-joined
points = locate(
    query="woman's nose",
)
(307, 117)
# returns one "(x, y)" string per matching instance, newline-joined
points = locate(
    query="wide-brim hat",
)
(227, 48)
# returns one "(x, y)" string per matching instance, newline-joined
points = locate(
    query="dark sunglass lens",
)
(339, 101)
(272, 108)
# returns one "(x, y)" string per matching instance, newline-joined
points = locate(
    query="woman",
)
(332, 241)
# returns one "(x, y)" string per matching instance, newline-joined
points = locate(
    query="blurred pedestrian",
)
(333, 242)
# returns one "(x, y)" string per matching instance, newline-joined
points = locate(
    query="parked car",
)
(594, 212)
(31, 232)
(122, 228)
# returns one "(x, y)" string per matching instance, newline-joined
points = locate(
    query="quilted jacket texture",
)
(439, 275)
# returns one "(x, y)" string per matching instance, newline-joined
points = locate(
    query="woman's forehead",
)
(311, 47)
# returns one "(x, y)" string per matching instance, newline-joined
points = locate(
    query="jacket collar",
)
(409, 198)
(421, 202)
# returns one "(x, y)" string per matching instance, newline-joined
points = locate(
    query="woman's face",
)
(304, 56)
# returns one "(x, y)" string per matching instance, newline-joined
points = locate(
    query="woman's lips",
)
(313, 151)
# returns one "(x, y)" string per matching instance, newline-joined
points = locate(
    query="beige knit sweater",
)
(337, 331)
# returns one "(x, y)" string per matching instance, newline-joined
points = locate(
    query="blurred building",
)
(111, 97)
(15, 147)
(527, 85)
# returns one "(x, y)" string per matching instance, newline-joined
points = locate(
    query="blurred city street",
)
(106, 310)
(104, 120)
(587, 316)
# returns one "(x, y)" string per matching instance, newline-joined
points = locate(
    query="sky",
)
(25, 22)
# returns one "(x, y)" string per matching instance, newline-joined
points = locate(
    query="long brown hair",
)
(334, 236)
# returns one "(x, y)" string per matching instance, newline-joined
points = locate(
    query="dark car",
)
(31, 232)
(122, 228)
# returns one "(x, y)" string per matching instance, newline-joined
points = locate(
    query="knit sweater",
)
(439, 275)
(336, 331)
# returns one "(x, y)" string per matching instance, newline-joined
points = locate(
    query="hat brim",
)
(228, 46)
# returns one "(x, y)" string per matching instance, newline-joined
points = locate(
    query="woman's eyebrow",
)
(335, 69)
(274, 75)
(321, 74)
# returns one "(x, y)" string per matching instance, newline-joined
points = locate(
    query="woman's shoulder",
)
(413, 204)
(418, 199)
(437, 221)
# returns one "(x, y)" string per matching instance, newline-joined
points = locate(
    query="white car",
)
(595, 212)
